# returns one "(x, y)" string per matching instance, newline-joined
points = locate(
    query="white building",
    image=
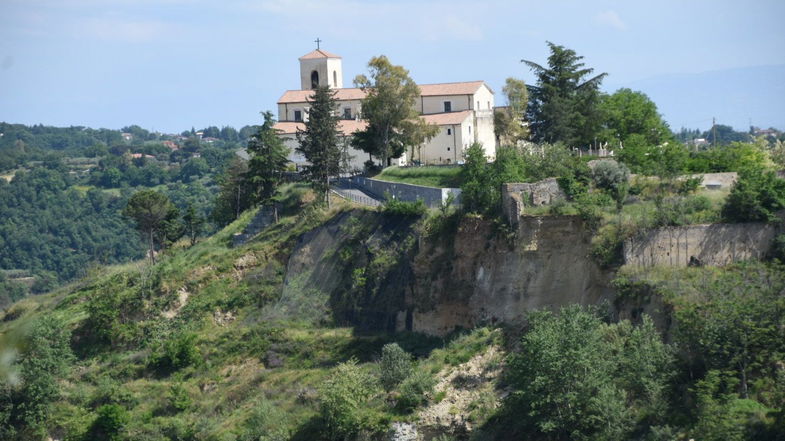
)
(463, 111)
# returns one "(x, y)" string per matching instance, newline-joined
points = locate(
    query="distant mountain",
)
(733, 96)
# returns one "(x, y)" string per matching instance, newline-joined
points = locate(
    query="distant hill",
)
(733, 96)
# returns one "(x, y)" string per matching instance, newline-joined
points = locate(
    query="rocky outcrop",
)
(517, 196)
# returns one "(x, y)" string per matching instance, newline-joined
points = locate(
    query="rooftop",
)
(353, 93)
(318, 53)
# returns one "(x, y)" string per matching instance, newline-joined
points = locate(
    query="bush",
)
(265, 423)
(175, 353)
(415, 389)
(394, 366)
(109, 423)
(756, 197)
(403, 208)
(344, 398)
(613, 178)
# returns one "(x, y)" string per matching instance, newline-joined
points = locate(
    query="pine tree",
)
(319, 141)
(269, 159)
(564, 107)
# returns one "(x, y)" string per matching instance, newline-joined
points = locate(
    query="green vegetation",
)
(389, 109)
(318, 143)
(429, 176)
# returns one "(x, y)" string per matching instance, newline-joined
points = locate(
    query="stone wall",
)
(517, 196)
(432, 197)
(711, 245)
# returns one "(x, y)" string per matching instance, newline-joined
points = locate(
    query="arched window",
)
(314, 79)
(335, 79)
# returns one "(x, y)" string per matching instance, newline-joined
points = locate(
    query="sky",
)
(169, 65)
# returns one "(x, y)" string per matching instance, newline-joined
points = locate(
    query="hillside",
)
(281, 338)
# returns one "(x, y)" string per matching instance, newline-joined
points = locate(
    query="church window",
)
(298, 115)
(448, 106)
(478, 105)
(448, 149)
(449, 131)
(347, 113)
(335, 78)
(314, 79)
(470, 130)
(489, 105)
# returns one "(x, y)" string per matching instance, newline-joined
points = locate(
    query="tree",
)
(564, 104)
(509, 123)
(756, 197)
(578, 378)
(319, 141)
(193, 223)
(613, 178)
(153, 212)
(394, 366)
(476, 189)
(344, 396)
(269, 159)
(234, 195)
(393, 123)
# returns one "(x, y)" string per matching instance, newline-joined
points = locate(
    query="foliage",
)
(192, 223)
(265, 423)
(509, 122)
(395, 365)
(156, 218)
(576, 377)
(47, 226)
(415, 389)
(756, 197)
(235, 194)
(318, 143)
(614, 179)
(477, 193)
(343, 399)
(389, 109)
(109, 423)
(45, 358)
(268, 161)
(563, 107)
(175, 353)
(396, 207)
(736, 156)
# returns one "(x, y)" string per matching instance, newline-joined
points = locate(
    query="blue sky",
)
(169, 65)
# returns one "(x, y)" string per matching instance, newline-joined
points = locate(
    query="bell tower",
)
(320, 68)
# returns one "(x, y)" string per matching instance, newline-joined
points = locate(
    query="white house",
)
(463, 111)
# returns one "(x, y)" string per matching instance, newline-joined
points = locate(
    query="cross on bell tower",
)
(317, 41)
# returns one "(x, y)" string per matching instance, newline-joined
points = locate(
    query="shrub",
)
(778, 248)
(404, 208)
(613, 178)
(175, 353)
(394, 366)
(755, 197)
(344, 398)
(109, 423)
(179, 399)
(415, 389)
(266, 422)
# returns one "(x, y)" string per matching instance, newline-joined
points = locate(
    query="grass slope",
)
(429, 176)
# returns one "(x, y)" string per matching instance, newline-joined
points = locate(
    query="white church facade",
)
(462, 111)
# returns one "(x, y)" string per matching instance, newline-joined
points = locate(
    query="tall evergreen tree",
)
(563, 107)
(319, 141)
(269, 158)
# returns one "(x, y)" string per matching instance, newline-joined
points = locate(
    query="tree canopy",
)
(153, 213)
(563, 106)
(319, 141)
(268, 161)
(393, 122)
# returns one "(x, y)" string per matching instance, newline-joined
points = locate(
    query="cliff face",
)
(488, 277)
(380, 274)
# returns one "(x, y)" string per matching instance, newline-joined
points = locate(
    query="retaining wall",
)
(431, 196)
(710, 245)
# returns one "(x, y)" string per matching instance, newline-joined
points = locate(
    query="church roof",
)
(318, 53)
(345, 126)
(461, 88)
(445, 119)
(301, 96)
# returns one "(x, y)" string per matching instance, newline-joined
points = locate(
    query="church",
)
(462, 111)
